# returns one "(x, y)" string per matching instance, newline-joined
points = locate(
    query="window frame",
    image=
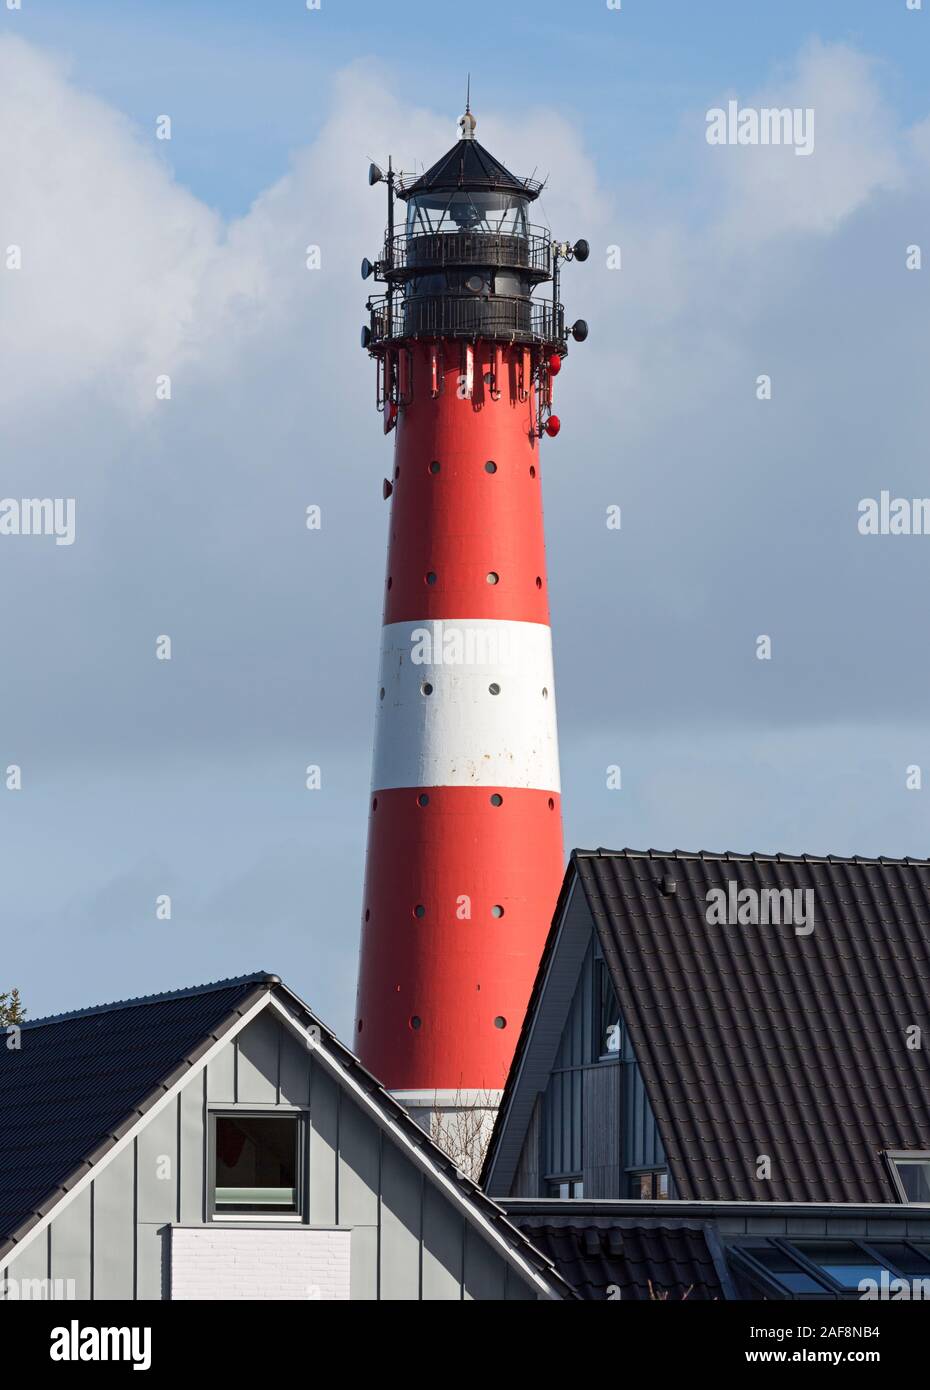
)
(895, 1156)
(568, 1180)
(270, 1112)
(601, 973)
(832, 1288)
(747, 1265)
(633, 1175)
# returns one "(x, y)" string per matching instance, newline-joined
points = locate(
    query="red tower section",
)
(465, 840)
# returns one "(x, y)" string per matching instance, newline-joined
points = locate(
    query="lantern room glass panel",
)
(463, 211)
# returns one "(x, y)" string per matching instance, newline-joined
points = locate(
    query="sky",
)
(142, 258)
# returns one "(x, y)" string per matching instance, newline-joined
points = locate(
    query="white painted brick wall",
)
(293, 1262)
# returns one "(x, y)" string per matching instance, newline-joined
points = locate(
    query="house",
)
(723, 1054)
(219, 1142)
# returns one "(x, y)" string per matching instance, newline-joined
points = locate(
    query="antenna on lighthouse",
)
(467, 122)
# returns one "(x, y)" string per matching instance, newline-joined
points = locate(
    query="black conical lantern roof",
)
(468, 165)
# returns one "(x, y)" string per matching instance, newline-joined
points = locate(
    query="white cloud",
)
(113, 250)
(769, 191)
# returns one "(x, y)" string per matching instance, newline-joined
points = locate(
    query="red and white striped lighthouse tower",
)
(465, 839)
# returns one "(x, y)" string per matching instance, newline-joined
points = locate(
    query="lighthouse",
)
(464, 859)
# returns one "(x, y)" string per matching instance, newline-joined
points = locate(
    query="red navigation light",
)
(553, 425)
(555, 364)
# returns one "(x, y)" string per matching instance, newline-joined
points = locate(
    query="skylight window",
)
(911, 1173)
(845, 1262)
(813, 1269)
(909, 1259)
(785, 1270)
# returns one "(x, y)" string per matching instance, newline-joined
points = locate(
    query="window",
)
(467, 211)
(906, 1258)
(256, 1165)
(825, 1268)
(911, 1173)
(845, 1262)
(606, 1013)
(783, 1269)
(566, 1187)
(651, 1186)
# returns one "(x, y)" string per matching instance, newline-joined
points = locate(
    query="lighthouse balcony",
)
(412, 254)
(496, 317)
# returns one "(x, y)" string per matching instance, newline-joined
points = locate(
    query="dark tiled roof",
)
(79, 1079)
(468, 165)
(637, 1260)
(757, 1040)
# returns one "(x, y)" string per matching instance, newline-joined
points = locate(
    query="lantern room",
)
(469, 259)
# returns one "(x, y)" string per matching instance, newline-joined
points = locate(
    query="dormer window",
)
(911, 1174)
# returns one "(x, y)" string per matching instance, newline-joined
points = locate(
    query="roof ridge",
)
(185, 992)
(749, 856)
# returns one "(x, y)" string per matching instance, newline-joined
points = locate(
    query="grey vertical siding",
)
(324, 1147)
(485, 1275)
(443, 1247)
(33, 1263)
(408, 1239)
(151, 1253)
(71, 1245)
(601, 1126)
(527, 1178)
(595, 1115)
(401, 1217)
(642, 1145)
(257, 1072)
(157, 1168)
(114, 1228)
(192, 1160)
(359, 1187)
(294, 1071)
(221, 1077)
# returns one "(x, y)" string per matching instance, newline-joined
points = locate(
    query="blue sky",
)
(144, 257)
(249, 82)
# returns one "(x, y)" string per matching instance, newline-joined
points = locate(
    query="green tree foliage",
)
(11, 1008)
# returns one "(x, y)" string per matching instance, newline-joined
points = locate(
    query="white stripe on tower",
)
(466, 702)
